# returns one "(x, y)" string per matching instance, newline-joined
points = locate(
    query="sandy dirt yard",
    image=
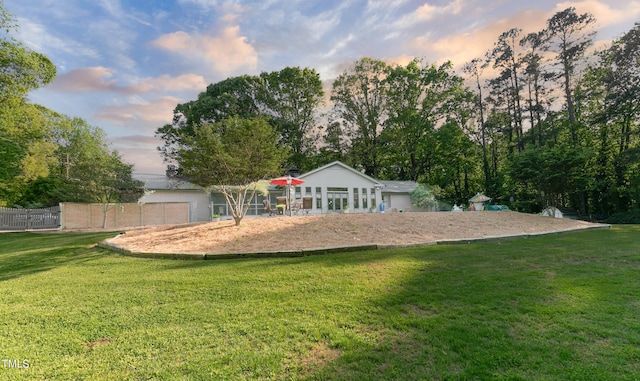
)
(284, 233)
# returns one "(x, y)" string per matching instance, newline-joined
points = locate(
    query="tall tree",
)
(612, 89)
(535, 42)
(334, 145)
(417, 100)
(505, 58)
(457, 163)
(291, 98)
(233, 156)
(104, 178)
(359, 95)
(87, 166)
(569, 35)
(474, 68)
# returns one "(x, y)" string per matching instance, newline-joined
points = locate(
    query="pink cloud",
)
(92, 79)
(463, 47)
(97, 79)
(152, 114)
(603, 12)
(226, 52)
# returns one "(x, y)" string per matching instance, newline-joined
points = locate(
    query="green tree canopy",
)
(287, 99)
(232, 156)
(25, 144)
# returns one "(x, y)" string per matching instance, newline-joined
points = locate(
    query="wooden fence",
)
(92, 216)
(29, 219)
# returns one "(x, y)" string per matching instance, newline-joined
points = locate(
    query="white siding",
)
(397, 201)
(337, 176)
(199, 207)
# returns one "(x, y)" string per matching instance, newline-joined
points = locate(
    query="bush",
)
(425, 196)
(630, 217)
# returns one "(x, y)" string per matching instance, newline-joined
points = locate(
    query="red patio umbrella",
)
(286, 181)
(283, 181)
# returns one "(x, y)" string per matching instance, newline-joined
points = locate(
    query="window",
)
(219, 204)
(318, 197)
(373, 198)
(364, 198)
(256, 207)
(356, 199)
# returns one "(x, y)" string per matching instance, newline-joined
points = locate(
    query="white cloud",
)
(228, 6)
(37, 37)
(428, 11)
(340, 45)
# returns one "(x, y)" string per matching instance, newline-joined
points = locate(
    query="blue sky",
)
(123, 65)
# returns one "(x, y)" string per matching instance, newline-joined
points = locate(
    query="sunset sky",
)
(123, 65)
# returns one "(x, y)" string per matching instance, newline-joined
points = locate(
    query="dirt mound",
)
(283, 233)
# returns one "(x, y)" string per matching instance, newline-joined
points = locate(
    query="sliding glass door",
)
(337, 199)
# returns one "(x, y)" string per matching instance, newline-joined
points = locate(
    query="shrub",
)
(630, 217)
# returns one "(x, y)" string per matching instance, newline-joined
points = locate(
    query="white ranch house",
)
(332, 188)
(336, 186)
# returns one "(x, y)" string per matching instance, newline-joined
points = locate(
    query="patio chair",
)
(296, 206)
(268, 208)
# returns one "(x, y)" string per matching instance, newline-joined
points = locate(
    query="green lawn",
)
(562, 307)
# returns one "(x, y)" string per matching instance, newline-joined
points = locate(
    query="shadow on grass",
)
(554, 307)
(544, 308)
(23, 254)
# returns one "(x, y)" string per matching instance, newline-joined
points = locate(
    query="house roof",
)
(398, 186)
(344, 166)
(162, 182)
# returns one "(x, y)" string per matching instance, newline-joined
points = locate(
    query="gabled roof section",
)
(398, 186)
(344, 166)
(162, 182)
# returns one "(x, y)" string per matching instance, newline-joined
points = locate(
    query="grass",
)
(562, 307)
